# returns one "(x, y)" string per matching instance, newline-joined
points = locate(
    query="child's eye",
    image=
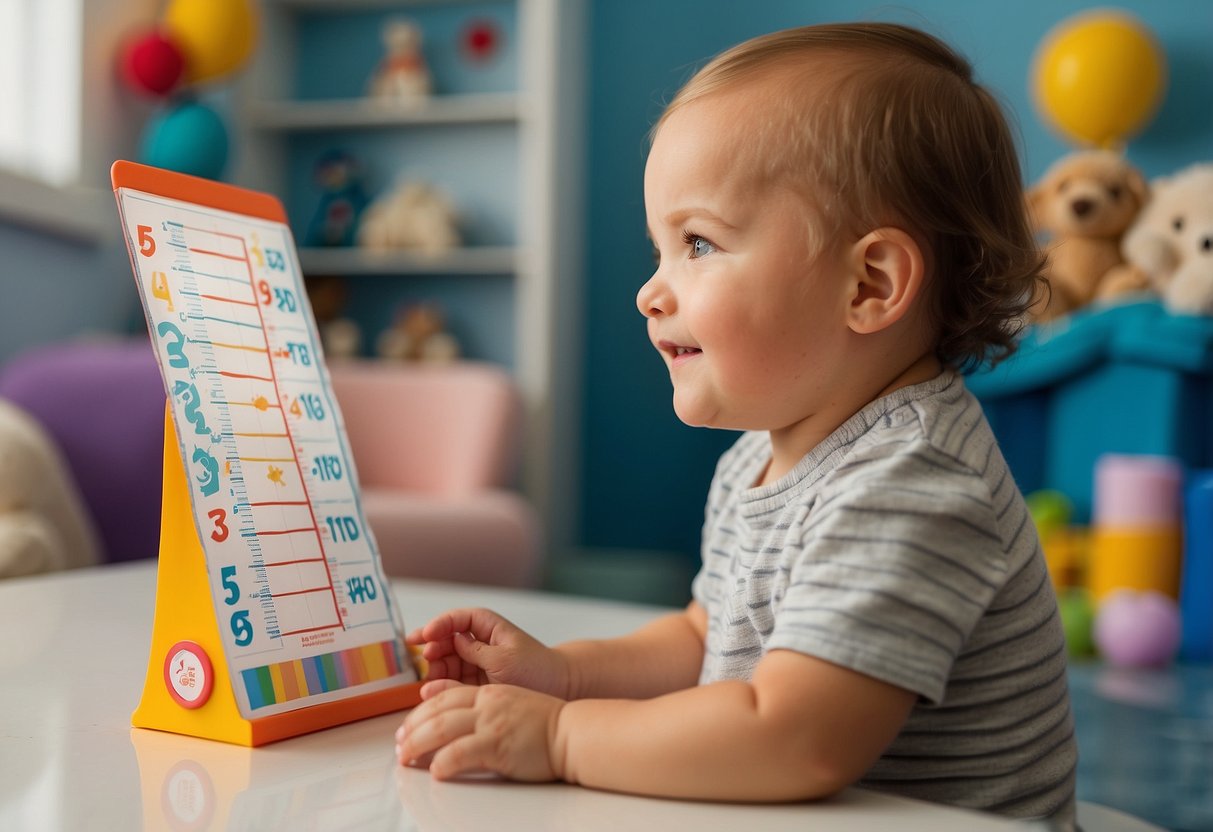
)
(699, 246)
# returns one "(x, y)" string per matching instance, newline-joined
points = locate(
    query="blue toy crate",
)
(1128, 379)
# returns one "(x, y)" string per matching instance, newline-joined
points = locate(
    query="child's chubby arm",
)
(802, 728)
(478, 646)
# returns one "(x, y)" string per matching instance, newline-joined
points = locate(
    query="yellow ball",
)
(216, 36)
(1099, 77)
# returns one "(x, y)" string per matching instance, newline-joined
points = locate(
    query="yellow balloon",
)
(1099, 77)
(215, 36)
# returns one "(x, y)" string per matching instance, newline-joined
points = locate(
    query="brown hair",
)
(902, 135)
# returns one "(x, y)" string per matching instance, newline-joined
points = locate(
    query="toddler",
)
(837, 217)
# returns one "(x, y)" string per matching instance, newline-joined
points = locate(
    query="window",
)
(40, 99)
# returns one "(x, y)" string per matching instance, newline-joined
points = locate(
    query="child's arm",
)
(802, 728)
(478, 646)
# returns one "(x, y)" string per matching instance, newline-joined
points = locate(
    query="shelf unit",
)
(527, 239)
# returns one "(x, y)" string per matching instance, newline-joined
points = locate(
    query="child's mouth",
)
(679, 354)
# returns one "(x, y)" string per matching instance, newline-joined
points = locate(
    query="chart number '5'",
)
(147, 245)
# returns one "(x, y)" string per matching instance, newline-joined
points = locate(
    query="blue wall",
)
(645, 474)
(52, 289)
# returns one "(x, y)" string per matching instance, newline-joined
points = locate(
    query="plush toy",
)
(415, 216)
(1085, 202)
(419, 334)
(402, 75)
(1172, 240)
(341, 336)
(44, 526)
(341, 202)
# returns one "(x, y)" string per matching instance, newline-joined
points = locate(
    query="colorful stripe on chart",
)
(285, 681)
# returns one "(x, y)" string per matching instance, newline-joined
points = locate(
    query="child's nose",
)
(654, 298)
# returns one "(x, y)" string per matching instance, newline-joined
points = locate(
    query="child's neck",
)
(790, 445)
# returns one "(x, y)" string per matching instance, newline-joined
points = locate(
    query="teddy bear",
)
(415, 216)
(44, 525)
(1084, 204)
(402, 76)
(419, 334)
(1171, 242)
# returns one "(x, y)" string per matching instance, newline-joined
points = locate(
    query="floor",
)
(1145, 741)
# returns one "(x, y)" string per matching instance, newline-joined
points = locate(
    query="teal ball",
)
(188, 138)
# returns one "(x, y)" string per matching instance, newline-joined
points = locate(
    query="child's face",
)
(750, 319)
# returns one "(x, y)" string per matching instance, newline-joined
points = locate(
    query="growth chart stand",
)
(273, 616)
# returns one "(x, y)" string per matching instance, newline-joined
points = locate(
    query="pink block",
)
(1137, 491)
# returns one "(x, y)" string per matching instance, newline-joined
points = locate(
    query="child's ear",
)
(888, 273)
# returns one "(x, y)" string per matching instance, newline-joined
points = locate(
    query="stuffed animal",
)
(340, 335)
(1085, 202)
(415, 216)
(402, 76)
(44, 526)
(419, 334)
(1172, 240)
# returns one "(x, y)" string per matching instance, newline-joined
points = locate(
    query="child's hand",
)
(499, 728)
(478, 646)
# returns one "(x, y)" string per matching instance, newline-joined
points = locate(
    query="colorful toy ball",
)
(1099, 77)
(188, 137)
(1137, 629)
(217, 36)
(152, 63)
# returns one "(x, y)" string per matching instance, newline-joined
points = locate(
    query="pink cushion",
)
(436, 448)
(437, 429)
(487, 538)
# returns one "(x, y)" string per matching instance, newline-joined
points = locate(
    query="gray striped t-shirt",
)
(900, 547)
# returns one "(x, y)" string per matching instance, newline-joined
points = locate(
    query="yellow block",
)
(1140, 559)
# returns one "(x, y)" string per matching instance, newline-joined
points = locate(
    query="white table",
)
(73, 651)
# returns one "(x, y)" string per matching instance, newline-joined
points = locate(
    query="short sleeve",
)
(897, 562)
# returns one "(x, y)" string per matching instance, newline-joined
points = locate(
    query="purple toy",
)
(1137, 629)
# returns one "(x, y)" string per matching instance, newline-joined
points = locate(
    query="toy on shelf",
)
(415, 216)
(403, 75)
(340, 336)
(1085, 202)
(342, 200)
(419, 334)
(1172, 240)
(480, 41)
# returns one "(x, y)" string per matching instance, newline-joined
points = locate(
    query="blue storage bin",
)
(1130, 378)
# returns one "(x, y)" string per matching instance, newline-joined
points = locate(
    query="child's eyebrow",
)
(682, 215)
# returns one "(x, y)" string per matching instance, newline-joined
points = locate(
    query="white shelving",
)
(286, 115)
(542, 262)
(476, 260)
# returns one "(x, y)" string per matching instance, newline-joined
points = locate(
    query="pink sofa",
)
(436, 450)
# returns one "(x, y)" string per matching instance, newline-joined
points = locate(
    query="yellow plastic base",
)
(185, 612)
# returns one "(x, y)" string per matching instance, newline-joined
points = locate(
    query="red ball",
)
(152, 64)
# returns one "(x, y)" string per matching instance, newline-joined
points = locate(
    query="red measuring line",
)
(299, 592)
(294, 562)
(339, 623)
(286, 425)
